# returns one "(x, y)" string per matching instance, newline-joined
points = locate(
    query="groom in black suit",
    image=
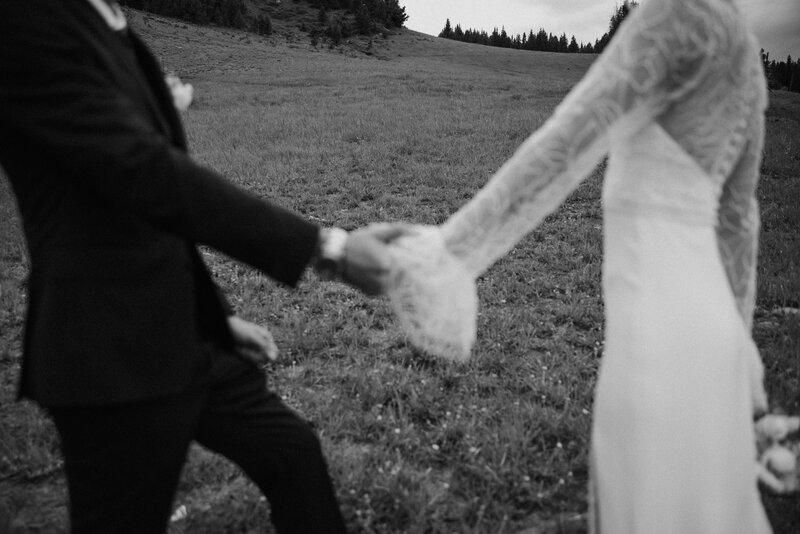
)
(128, 343)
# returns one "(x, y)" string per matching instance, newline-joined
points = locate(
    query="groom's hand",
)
(253, 342)
(366, 264)
(360, 258)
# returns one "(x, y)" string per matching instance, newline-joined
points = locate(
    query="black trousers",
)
(123, 463)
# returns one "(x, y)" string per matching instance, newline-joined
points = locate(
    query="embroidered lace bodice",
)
(692, 68)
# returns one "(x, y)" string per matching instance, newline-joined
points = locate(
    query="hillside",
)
(326, 21)
(191, 50)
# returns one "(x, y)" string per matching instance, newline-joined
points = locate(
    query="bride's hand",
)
(254, 343)
(778, 452)
(366, 263)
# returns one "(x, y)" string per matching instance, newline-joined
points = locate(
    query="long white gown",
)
(677, 103)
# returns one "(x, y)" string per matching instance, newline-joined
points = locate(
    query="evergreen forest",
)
(784, 75)
(542, 41)
(353, 17)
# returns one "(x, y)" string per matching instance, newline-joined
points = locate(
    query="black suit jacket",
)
(120, 301)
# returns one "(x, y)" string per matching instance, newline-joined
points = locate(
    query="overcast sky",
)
(776, 22)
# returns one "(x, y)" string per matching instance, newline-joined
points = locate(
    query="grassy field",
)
(406, 129)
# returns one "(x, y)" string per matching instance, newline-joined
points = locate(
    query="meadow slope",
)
(405, 127)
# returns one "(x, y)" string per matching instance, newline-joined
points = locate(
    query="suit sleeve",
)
(55, 95)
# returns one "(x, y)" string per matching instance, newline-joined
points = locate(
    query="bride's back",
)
(720, 106)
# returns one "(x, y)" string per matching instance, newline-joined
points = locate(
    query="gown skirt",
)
(672, 440)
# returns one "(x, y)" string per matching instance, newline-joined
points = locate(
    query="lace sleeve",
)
(655, 57)
(738, 225)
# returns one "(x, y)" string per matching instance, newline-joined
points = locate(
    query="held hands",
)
(361, 258)
(366, 263)
(254, 343)
(362, 262)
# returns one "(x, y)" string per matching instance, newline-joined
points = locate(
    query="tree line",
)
(368, 15)
(542, 40)
(339, 19)
(228, 13)
(353, 17)
(782, 74)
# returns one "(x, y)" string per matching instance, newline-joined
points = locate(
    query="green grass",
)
(408, 133)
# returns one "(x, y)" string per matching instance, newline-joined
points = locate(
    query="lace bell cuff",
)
(432, 294)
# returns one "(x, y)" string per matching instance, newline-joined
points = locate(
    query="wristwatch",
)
(329, 262)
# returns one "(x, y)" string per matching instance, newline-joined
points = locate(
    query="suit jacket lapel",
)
(144, 77)
(155, 76)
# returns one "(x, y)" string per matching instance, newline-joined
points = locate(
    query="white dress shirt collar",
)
(113, 16)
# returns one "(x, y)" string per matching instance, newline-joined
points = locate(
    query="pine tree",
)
(447, 32)
(787, 72)
(616, 19)
(541, 40)
(364, 24)
(573, 46)
(335, 32)
(563, 44)
(766, 65)
(494, 39)
(552, 43)
(794, 75)
(396, 15)
(263, 25)
(378, 14)
(504, 39)
(622, 12)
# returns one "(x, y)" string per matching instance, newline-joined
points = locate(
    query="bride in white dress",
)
(677, 103)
